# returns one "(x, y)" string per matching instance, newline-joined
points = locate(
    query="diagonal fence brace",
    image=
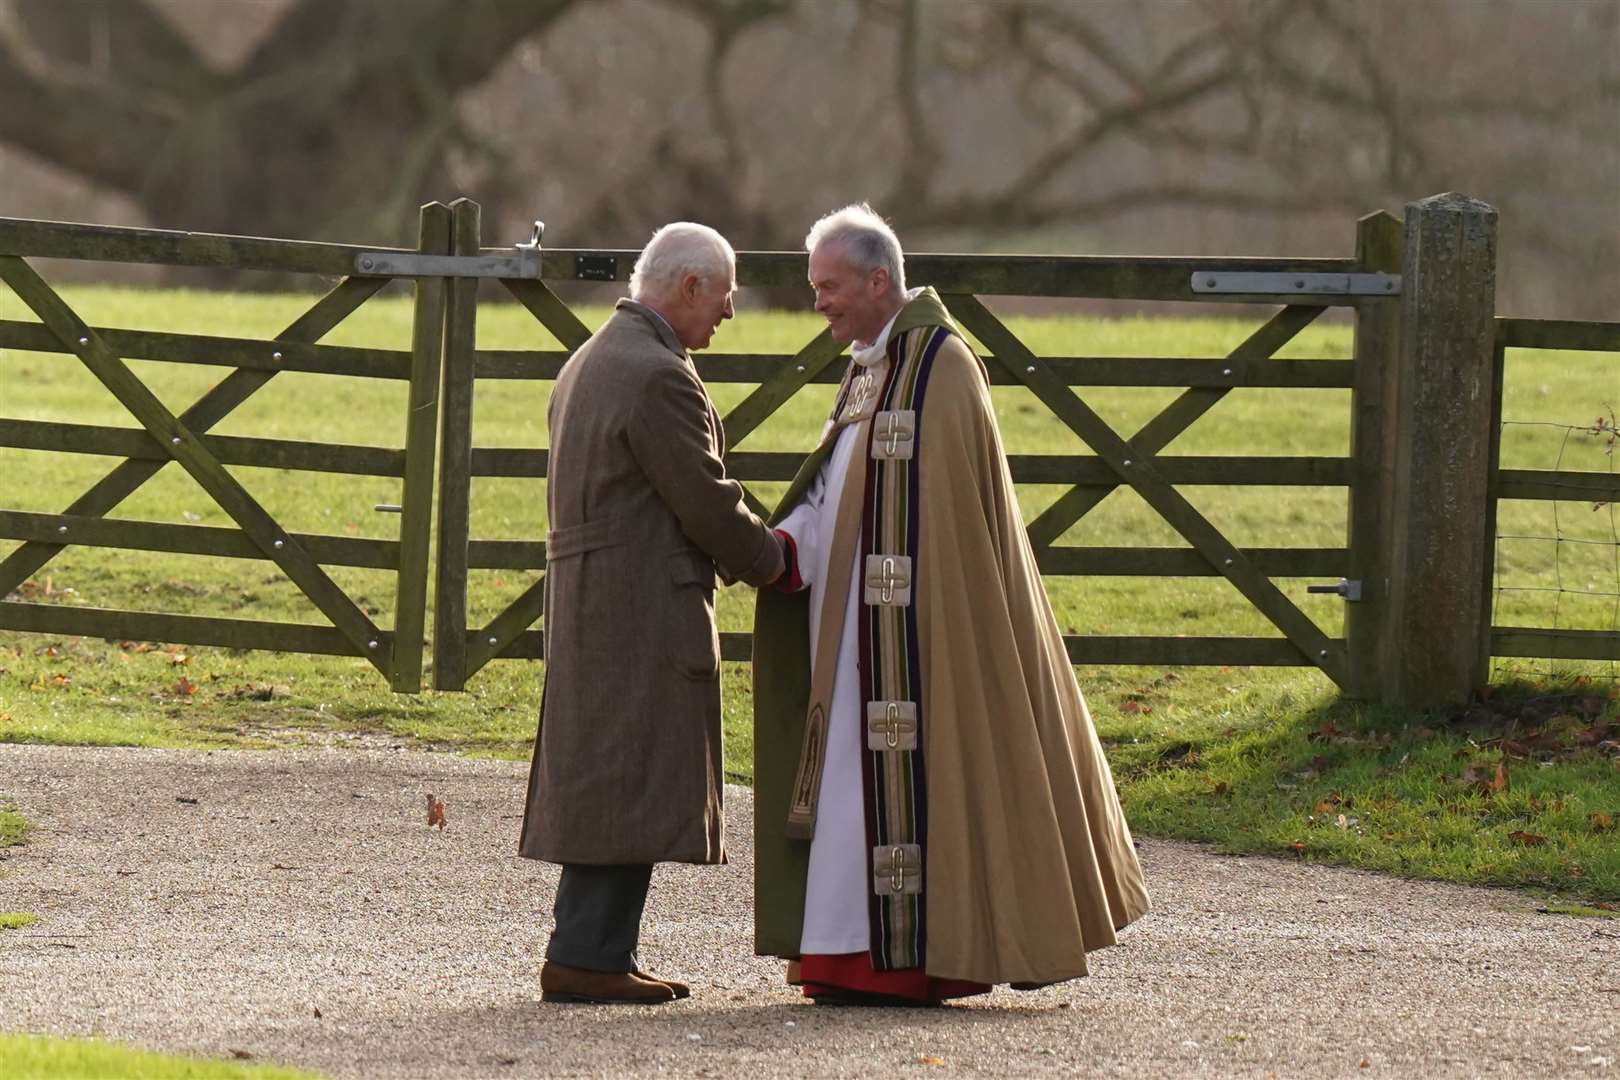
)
(187, 449)
(1137, 470)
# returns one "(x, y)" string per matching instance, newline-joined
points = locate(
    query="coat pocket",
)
(695, 648)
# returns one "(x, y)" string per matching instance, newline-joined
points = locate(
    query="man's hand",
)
(789, 580)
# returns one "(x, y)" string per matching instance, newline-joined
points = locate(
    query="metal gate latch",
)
(1350, 590)
(523, 261)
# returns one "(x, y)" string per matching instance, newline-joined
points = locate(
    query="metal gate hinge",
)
(523, 262)
(1283, 284)
(1350, 590)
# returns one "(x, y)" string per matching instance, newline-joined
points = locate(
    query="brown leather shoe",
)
(561, 983)
(680, 989)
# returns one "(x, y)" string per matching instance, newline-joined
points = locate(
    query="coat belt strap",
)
(589, 536)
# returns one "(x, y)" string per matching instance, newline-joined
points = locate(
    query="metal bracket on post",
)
(529, 253)
(1285, 284)
(1350, 590)
(523, 262)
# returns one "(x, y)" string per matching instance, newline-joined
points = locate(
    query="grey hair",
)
(868, 241)
(676, 250)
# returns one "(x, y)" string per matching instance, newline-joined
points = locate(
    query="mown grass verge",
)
(28, 1057)
(1521, 789)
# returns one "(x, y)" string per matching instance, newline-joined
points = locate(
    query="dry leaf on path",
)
(435, 811)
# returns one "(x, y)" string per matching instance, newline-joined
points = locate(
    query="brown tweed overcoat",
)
(627, 760)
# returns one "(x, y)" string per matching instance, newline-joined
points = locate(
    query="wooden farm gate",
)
(1415, 579)
(164, 436)
(1302, 289)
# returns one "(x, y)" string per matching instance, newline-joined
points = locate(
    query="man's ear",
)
(880, 279)
(691, 285)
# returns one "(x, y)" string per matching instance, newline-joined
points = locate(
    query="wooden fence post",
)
(455, 458)
(421, 421)
(1443, 432)
(1372, 460)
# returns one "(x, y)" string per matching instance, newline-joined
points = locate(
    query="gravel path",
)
(294, 906)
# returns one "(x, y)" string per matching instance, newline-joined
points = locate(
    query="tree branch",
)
(97, 129)
(1003, 212)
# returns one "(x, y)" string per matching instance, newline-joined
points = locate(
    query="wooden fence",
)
(183, 438)
(1414, 569)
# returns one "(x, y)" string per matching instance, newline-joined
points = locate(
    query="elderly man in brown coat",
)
(627, 765)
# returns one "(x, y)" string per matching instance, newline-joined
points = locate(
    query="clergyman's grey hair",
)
(676, 250)
(868, 241)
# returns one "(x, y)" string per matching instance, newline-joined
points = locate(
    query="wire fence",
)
(1578, 587)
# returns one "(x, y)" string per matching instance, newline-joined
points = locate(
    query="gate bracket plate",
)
(1284, 284)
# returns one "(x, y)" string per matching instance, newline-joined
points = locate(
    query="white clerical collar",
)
(867, 355)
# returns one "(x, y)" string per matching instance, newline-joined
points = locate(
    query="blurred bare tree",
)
(1257, 126)
(337, 121)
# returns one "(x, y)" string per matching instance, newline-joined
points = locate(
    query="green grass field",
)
(25, 1057)
(1252, 759)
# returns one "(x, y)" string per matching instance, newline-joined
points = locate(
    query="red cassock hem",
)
(854, 971)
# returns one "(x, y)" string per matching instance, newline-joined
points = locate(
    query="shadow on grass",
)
(1521, 788)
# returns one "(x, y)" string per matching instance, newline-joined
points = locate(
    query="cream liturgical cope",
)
(929, 786)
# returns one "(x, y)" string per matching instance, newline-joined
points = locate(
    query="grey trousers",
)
(598, 913)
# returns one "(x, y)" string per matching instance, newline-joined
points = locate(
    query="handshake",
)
(1002, 854)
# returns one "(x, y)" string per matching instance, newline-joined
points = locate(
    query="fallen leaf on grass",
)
(1222, 789)
(1527, 839)
(1483, 779)
(185, 687)
(435, 812)
(1599, 821)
